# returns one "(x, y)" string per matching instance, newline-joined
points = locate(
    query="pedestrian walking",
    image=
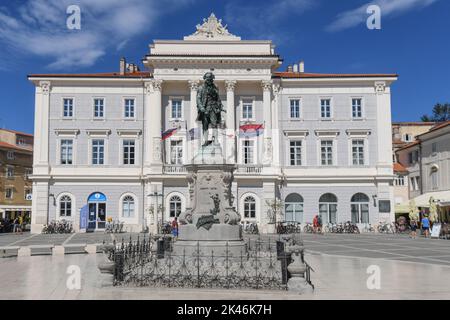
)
(175, 227)
(315, 223)
(15, 224)
(413, 225)
(426, 226)
(319, 223)
(20, 222)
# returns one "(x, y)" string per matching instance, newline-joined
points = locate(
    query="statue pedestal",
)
(211, 154)
(212, 224)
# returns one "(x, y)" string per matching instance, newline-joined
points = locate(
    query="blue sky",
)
(330, 35)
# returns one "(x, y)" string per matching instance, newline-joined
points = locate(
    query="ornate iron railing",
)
(141, 263)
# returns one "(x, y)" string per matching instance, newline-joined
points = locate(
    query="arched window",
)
(249, 207)
(128, 207)
(328, 208)
(434, 177)
(293, 208)
(360, 208)
(174, 206)
(65, 206)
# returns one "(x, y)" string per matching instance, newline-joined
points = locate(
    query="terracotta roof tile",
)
(18, 132)
(436, 127)
(409, 145)
(398, 167)
(11, 146)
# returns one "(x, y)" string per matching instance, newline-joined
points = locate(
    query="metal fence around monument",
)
(140, 263)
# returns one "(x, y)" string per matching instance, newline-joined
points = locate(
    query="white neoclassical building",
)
(320, 143)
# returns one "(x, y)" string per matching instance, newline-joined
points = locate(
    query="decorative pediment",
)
(327, 133)
(67, 132)
(296, 133)
(98, 132)
(129, 133)
(358, 132)
(212, 29)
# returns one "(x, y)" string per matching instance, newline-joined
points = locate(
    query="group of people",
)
(15, 225)
(425, 226)
(317, 224)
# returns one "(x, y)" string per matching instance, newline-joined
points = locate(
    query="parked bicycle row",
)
(62, 226)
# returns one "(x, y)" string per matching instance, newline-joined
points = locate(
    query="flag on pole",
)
(194, 134)
(251, 130)
(168, 133)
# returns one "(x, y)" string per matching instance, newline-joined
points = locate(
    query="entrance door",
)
(97, 211)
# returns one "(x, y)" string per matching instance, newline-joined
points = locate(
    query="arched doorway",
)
(97, 211)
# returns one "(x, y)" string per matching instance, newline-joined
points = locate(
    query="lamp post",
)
(154, 194)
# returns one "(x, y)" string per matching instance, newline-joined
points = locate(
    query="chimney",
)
(123, 66)
(295, 67)
(302, 66)
(289, 68)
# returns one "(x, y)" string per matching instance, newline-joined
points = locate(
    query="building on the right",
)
(427, 161)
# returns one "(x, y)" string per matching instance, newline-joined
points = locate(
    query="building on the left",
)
(16, 163)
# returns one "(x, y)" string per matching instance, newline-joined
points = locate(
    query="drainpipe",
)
(420, 167)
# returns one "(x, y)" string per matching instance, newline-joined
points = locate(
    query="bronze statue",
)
(209, 108)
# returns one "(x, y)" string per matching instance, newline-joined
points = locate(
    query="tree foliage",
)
(441, 113)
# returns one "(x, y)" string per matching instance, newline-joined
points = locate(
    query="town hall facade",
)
(116, 144)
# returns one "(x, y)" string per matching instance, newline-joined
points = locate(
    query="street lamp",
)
(155, 194)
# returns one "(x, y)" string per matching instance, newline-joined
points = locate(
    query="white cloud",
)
(352, 18)
(263, 20)
(38, 27)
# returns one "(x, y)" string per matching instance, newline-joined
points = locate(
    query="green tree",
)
(441, 113)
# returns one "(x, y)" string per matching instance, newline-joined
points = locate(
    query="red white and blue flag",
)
(251, 130)
(168, 133)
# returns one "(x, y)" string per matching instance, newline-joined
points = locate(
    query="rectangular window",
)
(66, 151)
(98, 152)
(10, 155)
(326, 151)
(28, 173)
(176, 109)
(99, 108)
(248, 151)
(67, 108)
(9, 193)
(295, 109)
(247, 109)
(129, 150)
(434, 147)
(9, 172)
(357, 108)
(358, 152)
(296, 153)
(325, 108)
(129, 108)
(176, 152)
(417, 183)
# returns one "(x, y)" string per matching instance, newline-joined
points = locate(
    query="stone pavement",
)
(45, 277)
(378, 246)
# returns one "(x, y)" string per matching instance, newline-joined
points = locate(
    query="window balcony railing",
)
(249, 169)
(174, 169)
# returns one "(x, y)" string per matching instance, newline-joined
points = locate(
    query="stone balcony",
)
(174, 169)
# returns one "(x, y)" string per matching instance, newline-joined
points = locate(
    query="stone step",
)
(8, 252)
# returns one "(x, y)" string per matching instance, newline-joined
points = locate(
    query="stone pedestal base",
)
(299, 285)
(219, 239)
